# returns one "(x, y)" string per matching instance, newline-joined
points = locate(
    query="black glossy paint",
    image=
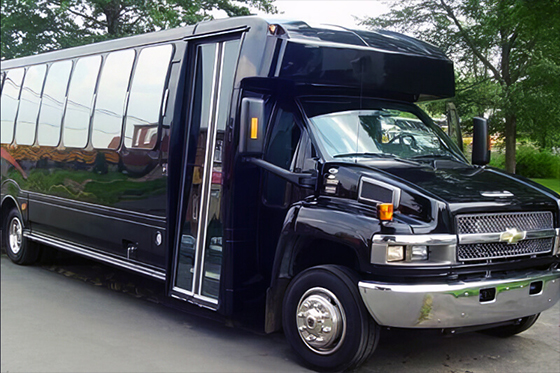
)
(107, 199)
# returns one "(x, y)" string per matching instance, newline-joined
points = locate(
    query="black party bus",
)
(275, 173)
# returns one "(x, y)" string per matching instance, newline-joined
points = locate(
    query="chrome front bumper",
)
(459, 304)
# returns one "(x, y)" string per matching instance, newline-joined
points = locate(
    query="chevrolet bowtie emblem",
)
(512, 236)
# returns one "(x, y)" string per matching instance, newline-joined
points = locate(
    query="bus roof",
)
(380, 60)
(382, 40)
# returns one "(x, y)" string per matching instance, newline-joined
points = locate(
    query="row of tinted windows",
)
(45, 104)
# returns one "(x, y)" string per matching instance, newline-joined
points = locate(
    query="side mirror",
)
(252, 126)
(454, 125)
(481, 147)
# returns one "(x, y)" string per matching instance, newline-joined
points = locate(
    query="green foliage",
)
(532, 162)
(507, 60)
(553, 184)
(30, 27)
(36, 26)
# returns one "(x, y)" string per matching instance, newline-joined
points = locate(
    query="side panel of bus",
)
(83, 144)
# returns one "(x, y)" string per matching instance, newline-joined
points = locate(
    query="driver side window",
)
(282, 144)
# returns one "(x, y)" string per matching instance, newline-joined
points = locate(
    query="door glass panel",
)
(200, 244)
(214, 225)
(9, 104)
(29, 105)
(201, 110)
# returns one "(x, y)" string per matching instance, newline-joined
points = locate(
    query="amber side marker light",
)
(385, 211)
(254, 128)
(24, 206)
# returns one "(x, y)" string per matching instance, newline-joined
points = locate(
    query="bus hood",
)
(432, 193)
(464, 187)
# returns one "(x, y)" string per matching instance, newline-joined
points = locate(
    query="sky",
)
(336, 12)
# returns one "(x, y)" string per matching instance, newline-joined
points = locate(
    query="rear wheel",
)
(19, 249)
(519, 326)
(325, 320)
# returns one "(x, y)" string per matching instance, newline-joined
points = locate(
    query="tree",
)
(30, 27)
(496, 46)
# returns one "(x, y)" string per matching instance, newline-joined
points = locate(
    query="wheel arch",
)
(307, 241)
(8, 203)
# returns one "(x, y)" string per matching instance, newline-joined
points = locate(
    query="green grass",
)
(553, 184)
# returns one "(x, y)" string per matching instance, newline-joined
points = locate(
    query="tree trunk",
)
(511, 135)
(112, 12)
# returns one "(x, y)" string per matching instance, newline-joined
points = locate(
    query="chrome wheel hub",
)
(15, 235)
(321, 321)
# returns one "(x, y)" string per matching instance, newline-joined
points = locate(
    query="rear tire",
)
(325, 320)
(19, 249)
(510, 330)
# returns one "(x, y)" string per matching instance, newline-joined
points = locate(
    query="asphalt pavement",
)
(75, 315)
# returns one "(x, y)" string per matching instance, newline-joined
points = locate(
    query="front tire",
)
(519, 326)
(19, 249)
(325, 320)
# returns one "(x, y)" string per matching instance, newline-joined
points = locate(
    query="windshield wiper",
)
(434, 156)
(377, 155)
(373, 155)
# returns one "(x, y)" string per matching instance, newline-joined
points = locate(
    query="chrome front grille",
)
(497, 250)
(499, 222)
(482, 236)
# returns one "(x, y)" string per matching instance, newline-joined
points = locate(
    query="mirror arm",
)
(303, 180)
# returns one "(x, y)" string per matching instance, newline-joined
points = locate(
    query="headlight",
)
(395, 253)
(418, 252)
(430, 249)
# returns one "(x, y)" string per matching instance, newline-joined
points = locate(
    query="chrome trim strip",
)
(185, 292)
(96, 206)
(473, 238)
(396, 191)
(205, 299)
(416, 239)
(199, 300)
(453, 305)
(498, 194)
(556, 249)
(66, 246)
(206, 189)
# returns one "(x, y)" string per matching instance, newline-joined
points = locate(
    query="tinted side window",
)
(80, 99)
(9, 104)
(280, 151)
(146, 95)
(52, 105)
(26, 123)
(111, 96)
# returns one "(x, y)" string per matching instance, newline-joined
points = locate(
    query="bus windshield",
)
(377, 130)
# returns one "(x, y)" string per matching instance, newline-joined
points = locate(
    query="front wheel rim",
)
(15, 235)
(321, 322)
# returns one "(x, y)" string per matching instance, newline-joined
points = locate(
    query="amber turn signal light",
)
(385, 211)
(254, 128)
